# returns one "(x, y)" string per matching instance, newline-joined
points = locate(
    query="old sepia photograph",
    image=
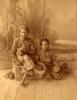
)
(38, 49)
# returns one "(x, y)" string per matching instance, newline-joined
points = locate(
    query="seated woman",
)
(22, 53)
(46, 56)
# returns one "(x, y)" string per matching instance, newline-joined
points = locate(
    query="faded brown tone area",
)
(61, 15)
(60, 23)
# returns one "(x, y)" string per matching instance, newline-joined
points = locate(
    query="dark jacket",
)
(25, 47)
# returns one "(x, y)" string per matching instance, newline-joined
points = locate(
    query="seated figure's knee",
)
(57, 75)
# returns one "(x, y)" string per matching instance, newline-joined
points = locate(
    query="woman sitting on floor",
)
(46, 56)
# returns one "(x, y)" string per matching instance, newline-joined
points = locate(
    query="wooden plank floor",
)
(40, 90)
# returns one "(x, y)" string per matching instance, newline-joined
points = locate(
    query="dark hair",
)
(25, 28)
(44, 40)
